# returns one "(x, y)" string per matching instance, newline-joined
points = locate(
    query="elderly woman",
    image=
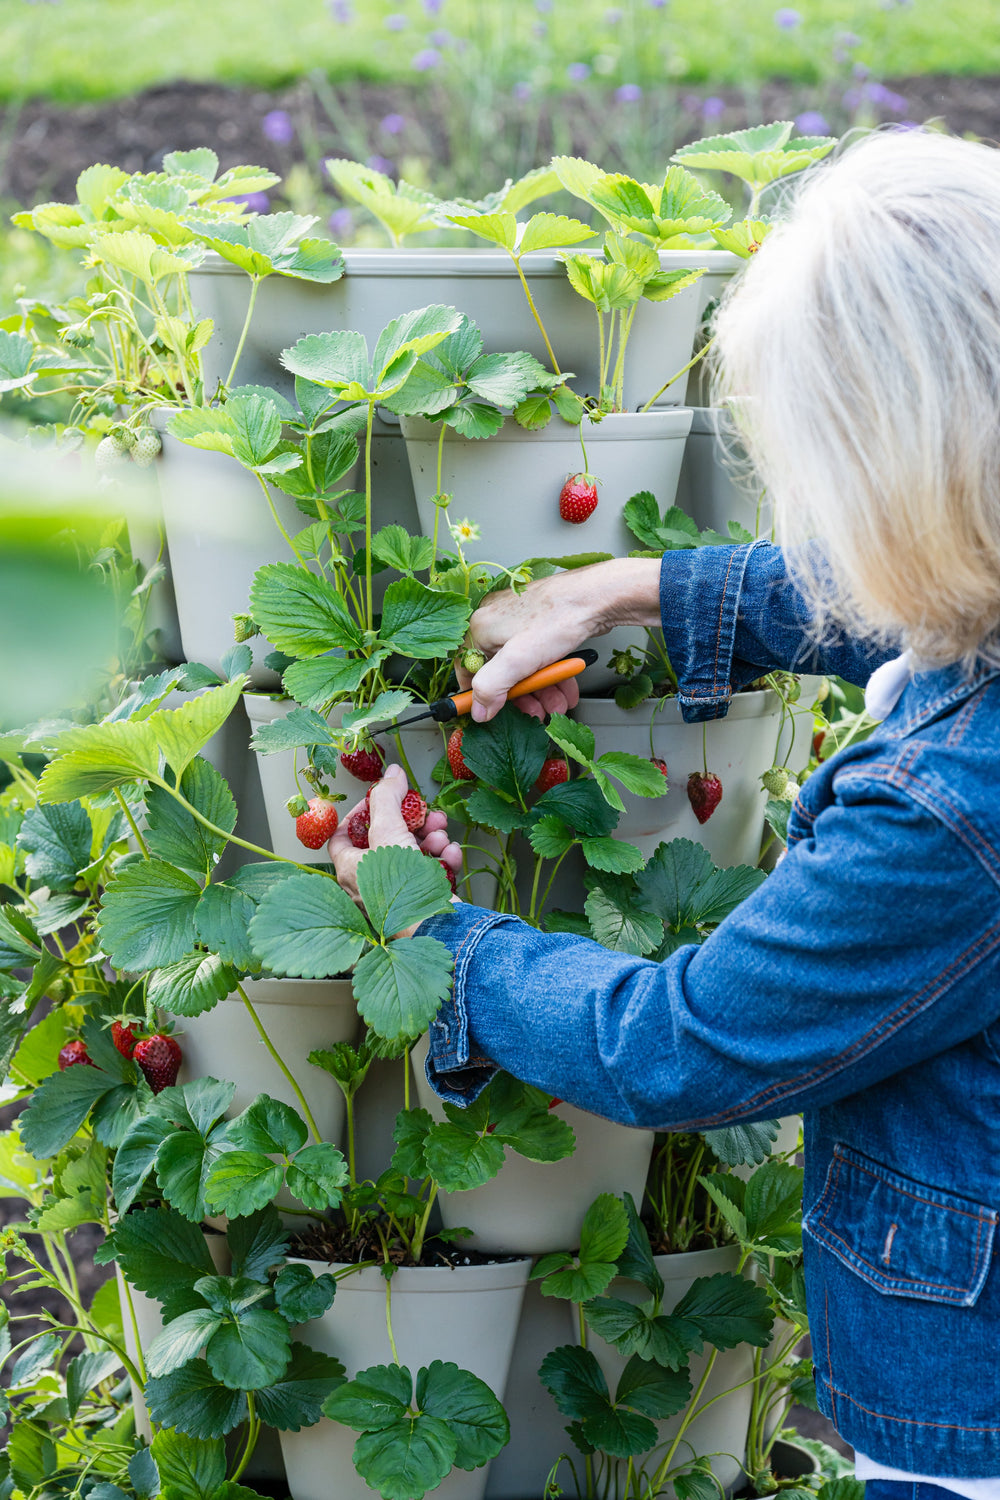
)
(860, 353)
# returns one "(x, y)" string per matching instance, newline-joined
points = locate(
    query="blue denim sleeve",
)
(730, 614)
(821, 984)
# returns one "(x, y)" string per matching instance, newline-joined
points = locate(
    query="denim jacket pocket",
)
(903, 1238)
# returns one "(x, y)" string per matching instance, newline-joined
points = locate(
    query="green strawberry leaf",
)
(199, 981)
(300, 613)
(472, 1412)
(508, 753)
(669, 884)
(196, 1468)
(193, 1402)
(57, 844)
(458, 1159)
(400, 886)
(728, 1310)
(97, 758)
(147, 918)
(316, 1177)
(242, 1182)
(620, 924)
(308, 927)
(174, 835)
(421, 622)
(399, 988)
(161, 1254)
(300, 1295)
(296, 1399)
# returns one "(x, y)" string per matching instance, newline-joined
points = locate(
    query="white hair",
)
(860, 355)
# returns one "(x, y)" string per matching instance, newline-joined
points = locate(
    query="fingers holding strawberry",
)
(391, 814)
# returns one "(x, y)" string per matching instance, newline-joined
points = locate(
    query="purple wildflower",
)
(628, 93)
(614, 15)
(433, 7)
(381, 164)
(342, 11)
(255, 203)
(539, 30)
(691, 104)
(392, 124)
(396, 22)
(522, 91)
(441, 38)
(277, 126)
(577, 72)
(861, 70)
(340, 223)
(713, 107)
(787, 19)
(543, 7)
(811, 122)
(427, 58)
(879, 94)
(848, 39)
(657, 4)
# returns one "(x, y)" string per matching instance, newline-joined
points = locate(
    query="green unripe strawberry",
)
(472, 659)
(145, 448)
(110, 454)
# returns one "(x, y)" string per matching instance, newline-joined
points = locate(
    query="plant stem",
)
(231, 837)
(534, 313)
(253, 1432)
(277, 521)
(131, 822)
(388, 1319)
(683, 371)
(368, 515)
(279, 1063)
(255, 282)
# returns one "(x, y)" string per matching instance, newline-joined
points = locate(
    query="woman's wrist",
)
(626, 592)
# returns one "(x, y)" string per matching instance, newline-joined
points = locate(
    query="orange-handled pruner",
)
(460, 703)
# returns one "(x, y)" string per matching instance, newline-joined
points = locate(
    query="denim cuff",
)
(456, 1070)
(700, 591)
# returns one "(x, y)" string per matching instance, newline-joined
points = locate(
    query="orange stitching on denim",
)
(957, 731)
(722, 605)
(975, 837)
(909, 1281)
(879, 1177)
(911, 1421)
(829, 1362)
(776, 1092)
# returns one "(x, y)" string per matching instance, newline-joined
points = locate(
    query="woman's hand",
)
(388, 827)
(547, 620)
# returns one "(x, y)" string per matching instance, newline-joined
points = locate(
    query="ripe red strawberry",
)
(553, 773)
(318, 824)
(578, 498)
(366, 763)
(414, 810)
(125, 1034)
(73, 1053)
(704, 791)
(358, 825)
(159, 1057)
(660, 765)
(455, 758)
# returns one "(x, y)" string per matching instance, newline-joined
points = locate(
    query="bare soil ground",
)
(43, 147)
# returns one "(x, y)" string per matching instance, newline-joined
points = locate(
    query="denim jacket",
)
(860, 984)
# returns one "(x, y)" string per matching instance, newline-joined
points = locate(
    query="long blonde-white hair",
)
(860, 355)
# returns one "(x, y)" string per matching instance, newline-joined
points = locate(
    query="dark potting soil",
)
(331, 1243)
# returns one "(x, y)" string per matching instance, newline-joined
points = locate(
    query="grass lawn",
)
(73, 50)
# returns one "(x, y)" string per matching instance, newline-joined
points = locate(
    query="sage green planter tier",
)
(533, 1207)
(738, 748)
(298, 1015)
(379, 285)
(220, 530)
(716, 483)
(509, 484)
(722, 1430)
(467, 1315)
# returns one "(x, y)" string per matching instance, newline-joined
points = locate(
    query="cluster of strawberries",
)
(158, 1056)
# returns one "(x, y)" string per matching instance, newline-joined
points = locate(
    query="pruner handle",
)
(557, 671)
